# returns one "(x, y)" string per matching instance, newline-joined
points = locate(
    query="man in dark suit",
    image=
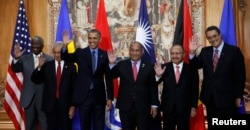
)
(58, 90)
(180, 90)
(224, 74)
(93, 87)
(31, 93)
(138, 92)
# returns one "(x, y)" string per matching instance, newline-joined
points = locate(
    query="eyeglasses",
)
(213, 36)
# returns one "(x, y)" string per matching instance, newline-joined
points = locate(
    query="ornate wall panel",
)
(122, 17)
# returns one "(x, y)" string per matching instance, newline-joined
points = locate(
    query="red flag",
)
(106, 44)
(198, 122)
(14, 80)
(102, 26)
(183, 29)
(188, 33)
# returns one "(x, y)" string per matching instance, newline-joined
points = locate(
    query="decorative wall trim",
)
(243, 4)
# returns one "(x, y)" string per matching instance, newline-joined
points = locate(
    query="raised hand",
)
(193, 44)
(66, 39)
(41, 61)
(159, 70)
(112, 56)
(17, 51)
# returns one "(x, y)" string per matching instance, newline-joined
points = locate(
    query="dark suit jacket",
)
(227, 82)
(144, 90)
(47, 74)
(26, 65)
(182, 96)
(85, 75)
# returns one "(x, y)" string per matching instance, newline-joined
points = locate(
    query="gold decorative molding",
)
(242, 5)
(2, 90)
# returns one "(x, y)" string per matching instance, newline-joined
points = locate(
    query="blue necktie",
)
(93, 61)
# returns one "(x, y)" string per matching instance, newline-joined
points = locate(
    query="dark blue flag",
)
(143, 33)
(227, 24)
(64, 25)
(144, 36)
(63, 22)
(228, 31)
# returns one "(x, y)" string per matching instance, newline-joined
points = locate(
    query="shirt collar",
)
(220, 47)
(34, 55)
(91, 50)
(180, 65)
(138, 62)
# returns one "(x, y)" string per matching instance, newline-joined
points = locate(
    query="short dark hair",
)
(38, 39)
(95, 31)
(210, 28)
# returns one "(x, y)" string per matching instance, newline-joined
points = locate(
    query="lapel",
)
(100, 58)
(210, 58)
(129, 69)
(53, 69)
(221, 58)
(64, 71)
(89, 60)
(171, 69)
(183, 71)
(31, 62)
(142, 67)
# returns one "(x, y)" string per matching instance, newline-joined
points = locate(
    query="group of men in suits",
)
(91, 87)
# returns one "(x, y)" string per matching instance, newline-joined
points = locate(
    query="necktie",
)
(36, 61)
(58, 79)
(93, 61)
(177, 73)
(135, 70)
(215, 59)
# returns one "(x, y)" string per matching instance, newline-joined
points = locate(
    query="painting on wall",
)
(122, 16)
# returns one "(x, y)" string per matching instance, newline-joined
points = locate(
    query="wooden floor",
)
(5, 123)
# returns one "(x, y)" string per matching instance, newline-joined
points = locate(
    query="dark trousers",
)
(35, 117)
(175, 119)
(91, 114)
(133, 119)
(213, 111)
(59, 117)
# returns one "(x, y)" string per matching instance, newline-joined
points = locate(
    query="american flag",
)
(14, 80)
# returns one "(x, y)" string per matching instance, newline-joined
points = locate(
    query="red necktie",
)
(135, 70)
(58, 78)
(215, 59)
(177, 73)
